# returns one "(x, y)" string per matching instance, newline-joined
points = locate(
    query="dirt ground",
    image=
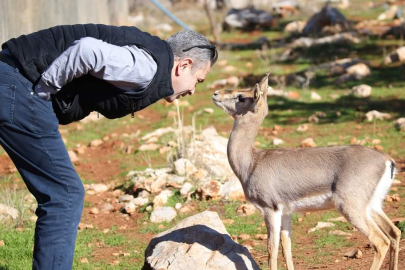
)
(102, 165)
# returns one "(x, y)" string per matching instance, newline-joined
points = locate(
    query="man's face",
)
(183, 80)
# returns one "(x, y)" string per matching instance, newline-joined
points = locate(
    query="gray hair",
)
(187, 38)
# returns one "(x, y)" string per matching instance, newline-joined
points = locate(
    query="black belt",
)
(10, 60)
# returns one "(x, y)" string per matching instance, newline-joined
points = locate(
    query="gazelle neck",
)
(241, 145)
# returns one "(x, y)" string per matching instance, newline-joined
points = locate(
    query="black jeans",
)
(29, 134)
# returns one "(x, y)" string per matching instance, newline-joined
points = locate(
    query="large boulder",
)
(198, 242)
(327, 17)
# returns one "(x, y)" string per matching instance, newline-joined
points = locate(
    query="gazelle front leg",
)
(272, 219)
(286, 240)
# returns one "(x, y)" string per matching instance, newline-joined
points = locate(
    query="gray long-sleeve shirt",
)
(127, 67)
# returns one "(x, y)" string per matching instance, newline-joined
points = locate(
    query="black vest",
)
(36, 51)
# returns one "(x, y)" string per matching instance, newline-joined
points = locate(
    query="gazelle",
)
(353, 179)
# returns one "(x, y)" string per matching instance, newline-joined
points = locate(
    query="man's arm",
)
(127, 67)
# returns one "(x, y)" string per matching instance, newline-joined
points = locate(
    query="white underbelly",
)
(314, 203)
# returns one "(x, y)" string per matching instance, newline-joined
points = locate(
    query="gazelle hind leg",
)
(272, 219)
(366, 225)
(393, 234)
(286, 240)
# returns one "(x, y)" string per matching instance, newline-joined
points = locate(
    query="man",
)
(61, 74)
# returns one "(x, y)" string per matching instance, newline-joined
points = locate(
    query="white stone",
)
(162, 198)
(212, 189)
(322, 225)
(360, 70)
(198, 242)
(98, 188)
(187, 187)
(178, 206)
(149, 147)
(130, 207)
(400, 124)
(126, 198)
(184, 166)
(277, 141)
(8, 213)
(157, 133)
(73, 157)
(95, 143)
(315, 96)
(233, 190)
(140, 201)
(162, 214)
(309, 142)
(302, 128)
(376, 115)
(361, 91)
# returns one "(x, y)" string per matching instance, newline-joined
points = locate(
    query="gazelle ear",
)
(256, 93)
(264, 85)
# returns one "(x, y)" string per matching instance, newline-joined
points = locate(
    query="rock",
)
(361, 91)
(321, 225)
(341, 219)
(94, 211)
(209, 110)
(315, 96)
(186, 189)
(295, 27)
(95, 143)
(83, 226)
(389, 14)
(261, 236)
(98, 188)
(162, 214)
(302, 128)
(107, 207)
(184, 166)
(244, 237)
(309, 142)
(84, 260)
(400, 124)
(233, 190)
(157, 133)
(198, 242)
(130, 208)
(313, 119)
(178, 206)
(162, 198)
(247, 19)
(376, 115)
(360, 70)
(277, 141)
(8, 213)
(354, 254)
(73, 156)
(158, 184)
(396, 56)
(393, 198)
(247, 209)
(396, 183)
(2, 244)
(125, 198)
(211, 189)
(149, 147)
(341, 233)
(140, 201)
(328, 16)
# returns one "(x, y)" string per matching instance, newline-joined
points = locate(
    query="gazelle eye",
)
(241, 98)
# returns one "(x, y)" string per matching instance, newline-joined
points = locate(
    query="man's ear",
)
(185, 64)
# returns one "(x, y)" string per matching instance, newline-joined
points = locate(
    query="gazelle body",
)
(353, 179)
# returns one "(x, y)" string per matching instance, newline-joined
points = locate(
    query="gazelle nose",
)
(216, 93)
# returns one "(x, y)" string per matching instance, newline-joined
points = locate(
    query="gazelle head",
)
(244, 102)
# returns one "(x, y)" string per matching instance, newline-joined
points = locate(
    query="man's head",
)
(193, 59)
